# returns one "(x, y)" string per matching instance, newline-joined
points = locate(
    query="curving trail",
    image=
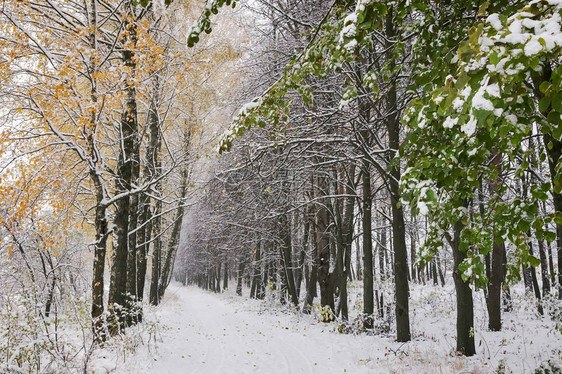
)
(209, 334)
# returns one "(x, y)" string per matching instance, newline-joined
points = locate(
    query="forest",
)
(217, 186)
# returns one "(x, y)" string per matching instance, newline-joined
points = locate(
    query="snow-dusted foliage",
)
(505, 86)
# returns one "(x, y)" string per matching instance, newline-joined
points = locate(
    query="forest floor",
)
(195, 331)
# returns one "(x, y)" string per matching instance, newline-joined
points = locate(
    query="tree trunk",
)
(152, 170)
(544, 269)
(173, 243)
(218, 273)
(534, 282)
(413, 254)
(129, 129)
(225, 277)
(156, 256)
(239, 278)
(144, 237)
(100, 219)
(100, 248)
(383, 254)
(493, 297)
(358, 255)
(441, 275)
(368, 304)
(465, 308)
(299, 272)
(256, 276)
(324, 255)
(286, 259)
(311, 286)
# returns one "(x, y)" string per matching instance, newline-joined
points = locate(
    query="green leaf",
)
(534, 261)
(504, 130)
(474, 33)
(483, 8)
(544, 103)
(550, 236)
(544, 87)
(556, 102)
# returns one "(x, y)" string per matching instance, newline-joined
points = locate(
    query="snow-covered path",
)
(204, 333)
(209, 335)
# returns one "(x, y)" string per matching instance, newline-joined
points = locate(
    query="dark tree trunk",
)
(311, 286)
(218, 275)
(286, 259)
(324, 255)
(434, 272)
(440, 270)
(156, 256)
(100, 219)
(225, 277)
(256, 276)
(265, 275)
(239, 278)
(51, 293)
(383, 254)
(125, 166)
(534, 281)
(368, 304)
(506, 292)
(399, 246)
(143, 237)
(132, 253)
(493, 297)
(398, 227)
(544, 269)
(343, 217)
(99, 267)
(299, 272)
(465, 308)
(551, 264)
(151, 171)
(358, 255)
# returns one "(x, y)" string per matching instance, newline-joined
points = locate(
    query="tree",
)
(476, 122)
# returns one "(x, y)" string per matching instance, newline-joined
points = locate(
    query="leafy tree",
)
(470, 127)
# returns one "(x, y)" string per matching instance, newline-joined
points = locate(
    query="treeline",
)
(101, 110)
(392, 137)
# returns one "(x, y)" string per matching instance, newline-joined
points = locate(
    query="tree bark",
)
(311, 286)
(286, 259)
(256, 276)
(100, 218)
(493, 299)
(156, 256)
(324, 255)
(173, 243)
(118, 278)
(368, 303)
(465, 307)
(239, 278)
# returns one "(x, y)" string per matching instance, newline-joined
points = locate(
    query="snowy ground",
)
(201, 332)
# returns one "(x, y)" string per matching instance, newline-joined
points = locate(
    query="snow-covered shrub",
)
(553, 307)
(325, 313)
(30, 342)
(21, 336)
(549, 368)
(355, 327)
